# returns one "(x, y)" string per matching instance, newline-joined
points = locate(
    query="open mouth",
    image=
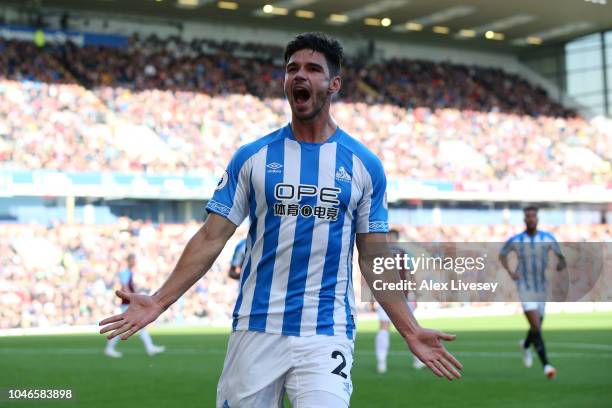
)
(301, 95)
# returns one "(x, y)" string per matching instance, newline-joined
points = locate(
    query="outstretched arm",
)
(424, 343)
(197, 258)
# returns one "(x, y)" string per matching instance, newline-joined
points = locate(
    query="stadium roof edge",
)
(521, 23)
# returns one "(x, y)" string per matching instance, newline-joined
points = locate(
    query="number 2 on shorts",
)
(338, 370)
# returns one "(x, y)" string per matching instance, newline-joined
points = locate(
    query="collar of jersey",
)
(330, 139)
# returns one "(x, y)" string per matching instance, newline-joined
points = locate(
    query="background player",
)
(382, 337)
(532, 248)
(126, 277)
(311, 192)
(237, 260)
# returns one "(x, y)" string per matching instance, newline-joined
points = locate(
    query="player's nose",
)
(300, 74)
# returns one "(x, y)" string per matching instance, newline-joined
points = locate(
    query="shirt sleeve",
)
(230, 199)
(508, 247)
(554, 245)
(372, 211)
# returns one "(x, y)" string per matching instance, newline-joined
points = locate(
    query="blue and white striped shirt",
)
(305, 201)
(532, 253)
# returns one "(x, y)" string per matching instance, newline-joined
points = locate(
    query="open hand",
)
(427, 345)
(141, 311)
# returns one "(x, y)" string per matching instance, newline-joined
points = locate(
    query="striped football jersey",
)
(305, 201)
(532, 253)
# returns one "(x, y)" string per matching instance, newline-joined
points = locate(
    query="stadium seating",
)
(427, 121)
(88, 109)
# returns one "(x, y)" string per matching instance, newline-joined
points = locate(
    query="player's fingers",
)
(126, 326)
(127, 334)
(123, 295)
(111, 319)
(446, 336)
(112, 327)
(443, 369)
(434, 369)
(453, 360)
(449, 367)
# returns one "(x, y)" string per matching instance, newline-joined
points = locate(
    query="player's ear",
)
(334, 85)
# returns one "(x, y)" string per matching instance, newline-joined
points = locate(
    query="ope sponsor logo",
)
(328, 195)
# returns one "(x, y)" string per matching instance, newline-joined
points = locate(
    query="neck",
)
(315, 130)
(531, 231)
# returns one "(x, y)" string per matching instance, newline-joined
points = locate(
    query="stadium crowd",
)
(64, 108)
(425, 120)
(219, 68)
(66, 274)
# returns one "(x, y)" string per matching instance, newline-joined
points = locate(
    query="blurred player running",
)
(127, 286)
(532, 247)
(381, 344)
(311, 191)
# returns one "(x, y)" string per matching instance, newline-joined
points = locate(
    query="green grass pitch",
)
(579, 345)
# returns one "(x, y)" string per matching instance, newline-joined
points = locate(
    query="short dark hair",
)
(319, 42)
(530, 208)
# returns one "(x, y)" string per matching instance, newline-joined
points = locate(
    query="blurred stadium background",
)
(117, 118)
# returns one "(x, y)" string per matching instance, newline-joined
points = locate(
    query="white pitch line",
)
(191, 351)
(100, 350)
(577, 346)
(588, 346)
(502, 354)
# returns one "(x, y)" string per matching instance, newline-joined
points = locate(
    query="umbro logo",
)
(274, 167)
(342, 175)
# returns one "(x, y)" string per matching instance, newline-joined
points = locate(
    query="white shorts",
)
(539, 306)
(382, 315)
(260, 367)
